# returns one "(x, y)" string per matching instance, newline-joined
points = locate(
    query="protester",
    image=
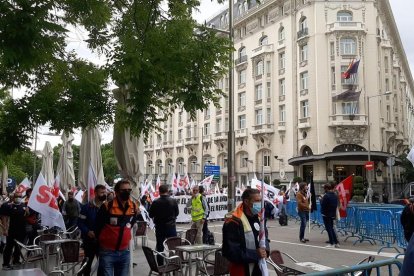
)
(407, 220)
(407, 268)
(114, 222)
(205, 225)
(241, 236)
(385, 196)
(329, 205)
(70, 210)
(199, 212)
(303, 209)
(32, 219)
(164, 212)
(87, 226)
(145, 202)
(17, 229)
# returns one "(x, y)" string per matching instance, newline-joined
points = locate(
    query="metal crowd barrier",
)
(390, 265)
(401, 241)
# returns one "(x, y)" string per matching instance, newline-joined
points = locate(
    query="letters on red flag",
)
(344, 191)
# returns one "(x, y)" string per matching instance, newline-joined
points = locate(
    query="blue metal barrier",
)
(401, 241)
(389, 264)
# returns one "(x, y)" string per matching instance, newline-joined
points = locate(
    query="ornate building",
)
(295, 115)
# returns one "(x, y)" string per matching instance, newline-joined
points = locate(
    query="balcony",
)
(191, 141)
(218, 112)
(148, 147)
(158, 146)
(302, 33)
(264, 49)
(347, 120)
(281, 126)
(240, 133)
(391, 127)
(304, 123)
(263, 128)
(240, 60)
(257, 102)
(346, 26)
(168, 144)
(180, 143)
(206, 138)
(241, 108)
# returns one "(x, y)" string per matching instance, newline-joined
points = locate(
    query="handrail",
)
(355, 268)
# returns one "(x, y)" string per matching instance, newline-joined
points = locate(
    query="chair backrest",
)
(221, 264)
(172, 242)
(70, 251)
(190, 235)
(45, 237)
(276, 257)
(141, 228)
(149, 255)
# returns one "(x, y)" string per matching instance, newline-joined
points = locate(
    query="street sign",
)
(209, 170)
(369, 165)
(391, 161)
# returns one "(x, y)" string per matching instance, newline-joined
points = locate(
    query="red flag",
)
(344, 191)
(55, 189)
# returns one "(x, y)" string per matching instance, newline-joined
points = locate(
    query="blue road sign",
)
(210, 169)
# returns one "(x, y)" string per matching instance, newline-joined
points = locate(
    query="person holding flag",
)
(71, 210)
(241, 236)
(303, 209)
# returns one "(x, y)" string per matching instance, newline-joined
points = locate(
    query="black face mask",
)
(124, 195)
(102, 198)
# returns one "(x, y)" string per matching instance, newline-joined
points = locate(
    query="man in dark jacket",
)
(329, 204)
(164, 211)
(87, 225)
(240, 236)
(407, 220)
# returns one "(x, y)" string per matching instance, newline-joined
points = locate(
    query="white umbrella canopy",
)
(4, 177)
(47, 164)
(65, 164)
(90, 151)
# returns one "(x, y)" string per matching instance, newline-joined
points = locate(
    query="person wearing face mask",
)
(87, 225)
(114, 222)
(241, 236)
(16, 211)
(303, 209)
(70, 210)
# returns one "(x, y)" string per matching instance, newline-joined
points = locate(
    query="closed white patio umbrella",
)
(47, 164)
(65, 164)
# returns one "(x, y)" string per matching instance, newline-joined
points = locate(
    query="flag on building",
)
(352, 69)
(344, 189)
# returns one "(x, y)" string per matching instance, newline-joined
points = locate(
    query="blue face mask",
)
(257, 206)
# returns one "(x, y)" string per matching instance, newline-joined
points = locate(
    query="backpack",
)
(210, 238)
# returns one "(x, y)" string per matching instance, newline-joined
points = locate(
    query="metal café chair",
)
(141, 232)
(30, 253)
(172, 264)
(218, 266)
(170, 245)
(276, 261)
(191, 235)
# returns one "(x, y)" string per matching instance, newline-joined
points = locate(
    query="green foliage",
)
(276, 182)
(358, 189)
(108, 162)
(163, 59)
(297, 179)
(408, 169)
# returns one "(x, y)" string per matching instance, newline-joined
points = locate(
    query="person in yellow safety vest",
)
(199, 212)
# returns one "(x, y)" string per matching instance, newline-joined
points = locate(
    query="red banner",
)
(344, 191)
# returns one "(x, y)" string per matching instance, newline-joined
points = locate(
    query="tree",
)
(408, 169)
(108, 162)
(162, 59)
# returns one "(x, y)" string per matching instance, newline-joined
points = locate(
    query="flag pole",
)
(310, 208)
(262, 232)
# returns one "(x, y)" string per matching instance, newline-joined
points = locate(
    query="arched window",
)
(263, 41)
(303, 24)
(307, 151)
(246, 6)
(281, 33)
(348, 46)
(344, 16)
(259, 68)
(240, 9)
(242, 52)
(348, 147)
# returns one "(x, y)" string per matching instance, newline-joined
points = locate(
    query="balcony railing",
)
(263, 128)
(240, 60)
(262, 49)
(346, 26)
(241, 132)
(348, 119)
(302, 33)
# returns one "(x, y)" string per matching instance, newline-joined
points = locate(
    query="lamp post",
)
(370, 191)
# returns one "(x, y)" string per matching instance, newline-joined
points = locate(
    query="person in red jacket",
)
(114, 222)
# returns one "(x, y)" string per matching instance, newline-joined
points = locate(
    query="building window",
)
(180, 117)
(303, 52)
(259, 68)
(281, 34)
(242, 121)
(304, 80)
(282, 87)
(207, 129)
(348, 46)
(269, 115)
(333, 76)
(266, 158)
(246, 6)
(352, 80)
(387, 85)
(206, 113)
(242, 99)
(159, 140)
(218, 125)
(303, 24)
(269, 90)
(188, 131)
(304, 106)
(282, 60)
(243, 160)
(332, 49)
(350, 108)
(259, 117)
(258, 92)
(180, 134)
(226, 124)
(263, 41)
(240, 9)
(268, 67)
(282, 113)
(344, 16)
(242, 77)
(242, 52)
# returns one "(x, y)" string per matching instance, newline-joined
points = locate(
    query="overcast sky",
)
(402, 10)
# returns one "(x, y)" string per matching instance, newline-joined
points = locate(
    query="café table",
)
(46, 245)
(195, 249)
(306, 267)
(23, 272)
